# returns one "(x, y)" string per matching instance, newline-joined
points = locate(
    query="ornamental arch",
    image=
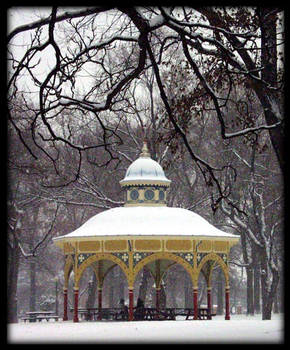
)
(207, 263)
(157, 258)
(100, 275)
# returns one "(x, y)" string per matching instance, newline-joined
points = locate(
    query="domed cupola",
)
(145, 181)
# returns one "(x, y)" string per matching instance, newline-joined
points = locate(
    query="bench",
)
(47, 318)
(203, 314)
(90, 314)
(158, 314)
(38, 317)
(28, 318)
(33, 316)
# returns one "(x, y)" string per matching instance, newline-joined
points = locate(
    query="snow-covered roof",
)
(145, 168)
(147, 221)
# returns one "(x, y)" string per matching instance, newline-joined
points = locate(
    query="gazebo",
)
(145, 232)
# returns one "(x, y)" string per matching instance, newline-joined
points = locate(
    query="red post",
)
(227, 295)
(65, 318)
(76, 301)
(100, 303)
(195, 307)
(131, 302)
(157, 298)
(209, 302)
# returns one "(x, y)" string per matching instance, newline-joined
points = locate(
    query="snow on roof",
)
(147, 221)
(145, 168)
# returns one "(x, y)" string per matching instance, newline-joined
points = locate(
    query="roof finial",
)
(145, 151)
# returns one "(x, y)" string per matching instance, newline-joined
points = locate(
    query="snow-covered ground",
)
(240, 329)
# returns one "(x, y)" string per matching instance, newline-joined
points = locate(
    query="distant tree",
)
(259, 218)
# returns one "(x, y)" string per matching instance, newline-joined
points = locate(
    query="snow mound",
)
(148, 221)
(240, 329)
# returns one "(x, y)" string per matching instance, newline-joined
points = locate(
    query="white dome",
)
(145, 168)
(147, 221)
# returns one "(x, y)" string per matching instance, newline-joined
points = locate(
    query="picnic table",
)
(93, 313)
(148, 313)
(203, 313)
(171, 313)
(33, 316)
(158, 314)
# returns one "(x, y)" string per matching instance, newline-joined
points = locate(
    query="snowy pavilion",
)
(146, 232)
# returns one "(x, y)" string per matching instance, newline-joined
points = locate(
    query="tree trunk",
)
(111, 289)
(250, 291)
(220, 290)
(257, 284)
(144, 284)
(162, 301)
(276, 305)
(280, 295)
(249, 273)
(121, 294)
(173, 286)
(188, 297)
(92, 290)
(12, 272)
(267, 97)
(202, 291)
(269, 288)
(32, 294)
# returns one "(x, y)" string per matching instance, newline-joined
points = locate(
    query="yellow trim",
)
(156, 253)
(114, 245)
(144, 204)
(220, 246)
(126, 183)
(147, 245)
(176, 245)
(89, 246)
(232, 240)
(205, 245)
(141, 194)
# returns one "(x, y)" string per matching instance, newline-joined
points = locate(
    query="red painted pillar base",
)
(131, 305)
(100, 303)
(209, 302)
(76, 302)
(227, 295)
(195, 307)
(65, 318)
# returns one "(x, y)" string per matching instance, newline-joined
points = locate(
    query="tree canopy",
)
(95, 56)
